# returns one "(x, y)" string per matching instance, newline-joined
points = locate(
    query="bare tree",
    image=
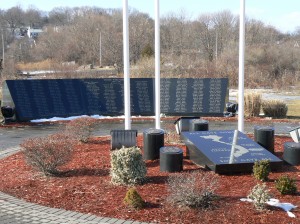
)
(175, 30)
(14, 18)
(33, 17)
(224, 25)
(60, 16)
(206, 38)
(141, 33)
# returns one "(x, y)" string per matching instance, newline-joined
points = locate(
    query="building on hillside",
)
(33, 32)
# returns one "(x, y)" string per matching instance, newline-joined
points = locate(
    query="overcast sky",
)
(284, 15)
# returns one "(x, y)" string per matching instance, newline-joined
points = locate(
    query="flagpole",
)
(157, 65)
(126, 66)
(241, 67)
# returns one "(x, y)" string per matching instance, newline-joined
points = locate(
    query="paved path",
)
(16, 211)
(12, 137)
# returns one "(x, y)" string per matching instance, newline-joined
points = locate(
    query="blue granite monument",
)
(218, 151)
(46, 98)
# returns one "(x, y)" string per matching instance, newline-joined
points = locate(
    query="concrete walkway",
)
(15, 211)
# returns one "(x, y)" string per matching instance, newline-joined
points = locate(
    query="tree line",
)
(203, 47)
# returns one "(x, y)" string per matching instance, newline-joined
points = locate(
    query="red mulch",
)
(86, 188)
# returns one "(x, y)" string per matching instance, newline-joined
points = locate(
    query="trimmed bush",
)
(192, 190)
(261, 170)
(47, 153)
(133, 199)
(260, 195)
(81, 128)
(286, 185)
(275, 108)
(252, 102)
(127, 166)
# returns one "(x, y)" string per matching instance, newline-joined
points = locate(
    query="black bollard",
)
(291, 153)
(153, 141)
(264, 136)
(198, 125)
(171, 159)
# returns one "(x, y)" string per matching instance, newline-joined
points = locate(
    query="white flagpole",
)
(157, 65)
(241, 68)
(126, 66)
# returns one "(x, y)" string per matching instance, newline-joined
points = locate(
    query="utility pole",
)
(100, 49)
(2, 50)
(216, 46)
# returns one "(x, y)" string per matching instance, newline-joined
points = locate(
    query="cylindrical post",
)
(157, 65)
(291, 153)
(171, 159)
(153, 141)
(126, 66)
(198, 125)
(241, 68)
(264, 136)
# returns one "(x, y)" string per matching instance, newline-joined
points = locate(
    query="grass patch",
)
(293, 108)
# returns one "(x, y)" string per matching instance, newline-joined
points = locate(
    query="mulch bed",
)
(85, 187)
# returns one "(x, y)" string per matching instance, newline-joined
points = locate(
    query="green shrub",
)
(133, 199)
(147, 51)
(260, 195)
(47, 153)
(274, 108)
(127, 166)
(193, 190)
(261, 170)
(81, 128)
(252, 102)
(286, 185)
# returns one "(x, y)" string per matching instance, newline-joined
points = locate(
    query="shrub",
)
(286, 185)
(171, 135)
(261, 170)
(260, 195)
(81, 128)
(147, 51)
(47, 153)
(133, 199)
(193, 190)
(274, 108)
(127, 166)
(252, 102)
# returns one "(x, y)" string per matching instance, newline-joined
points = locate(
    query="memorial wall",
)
(46, 98)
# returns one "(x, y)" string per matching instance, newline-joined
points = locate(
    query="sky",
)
(284, 15)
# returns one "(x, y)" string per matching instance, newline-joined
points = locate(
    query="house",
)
(33, 32)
